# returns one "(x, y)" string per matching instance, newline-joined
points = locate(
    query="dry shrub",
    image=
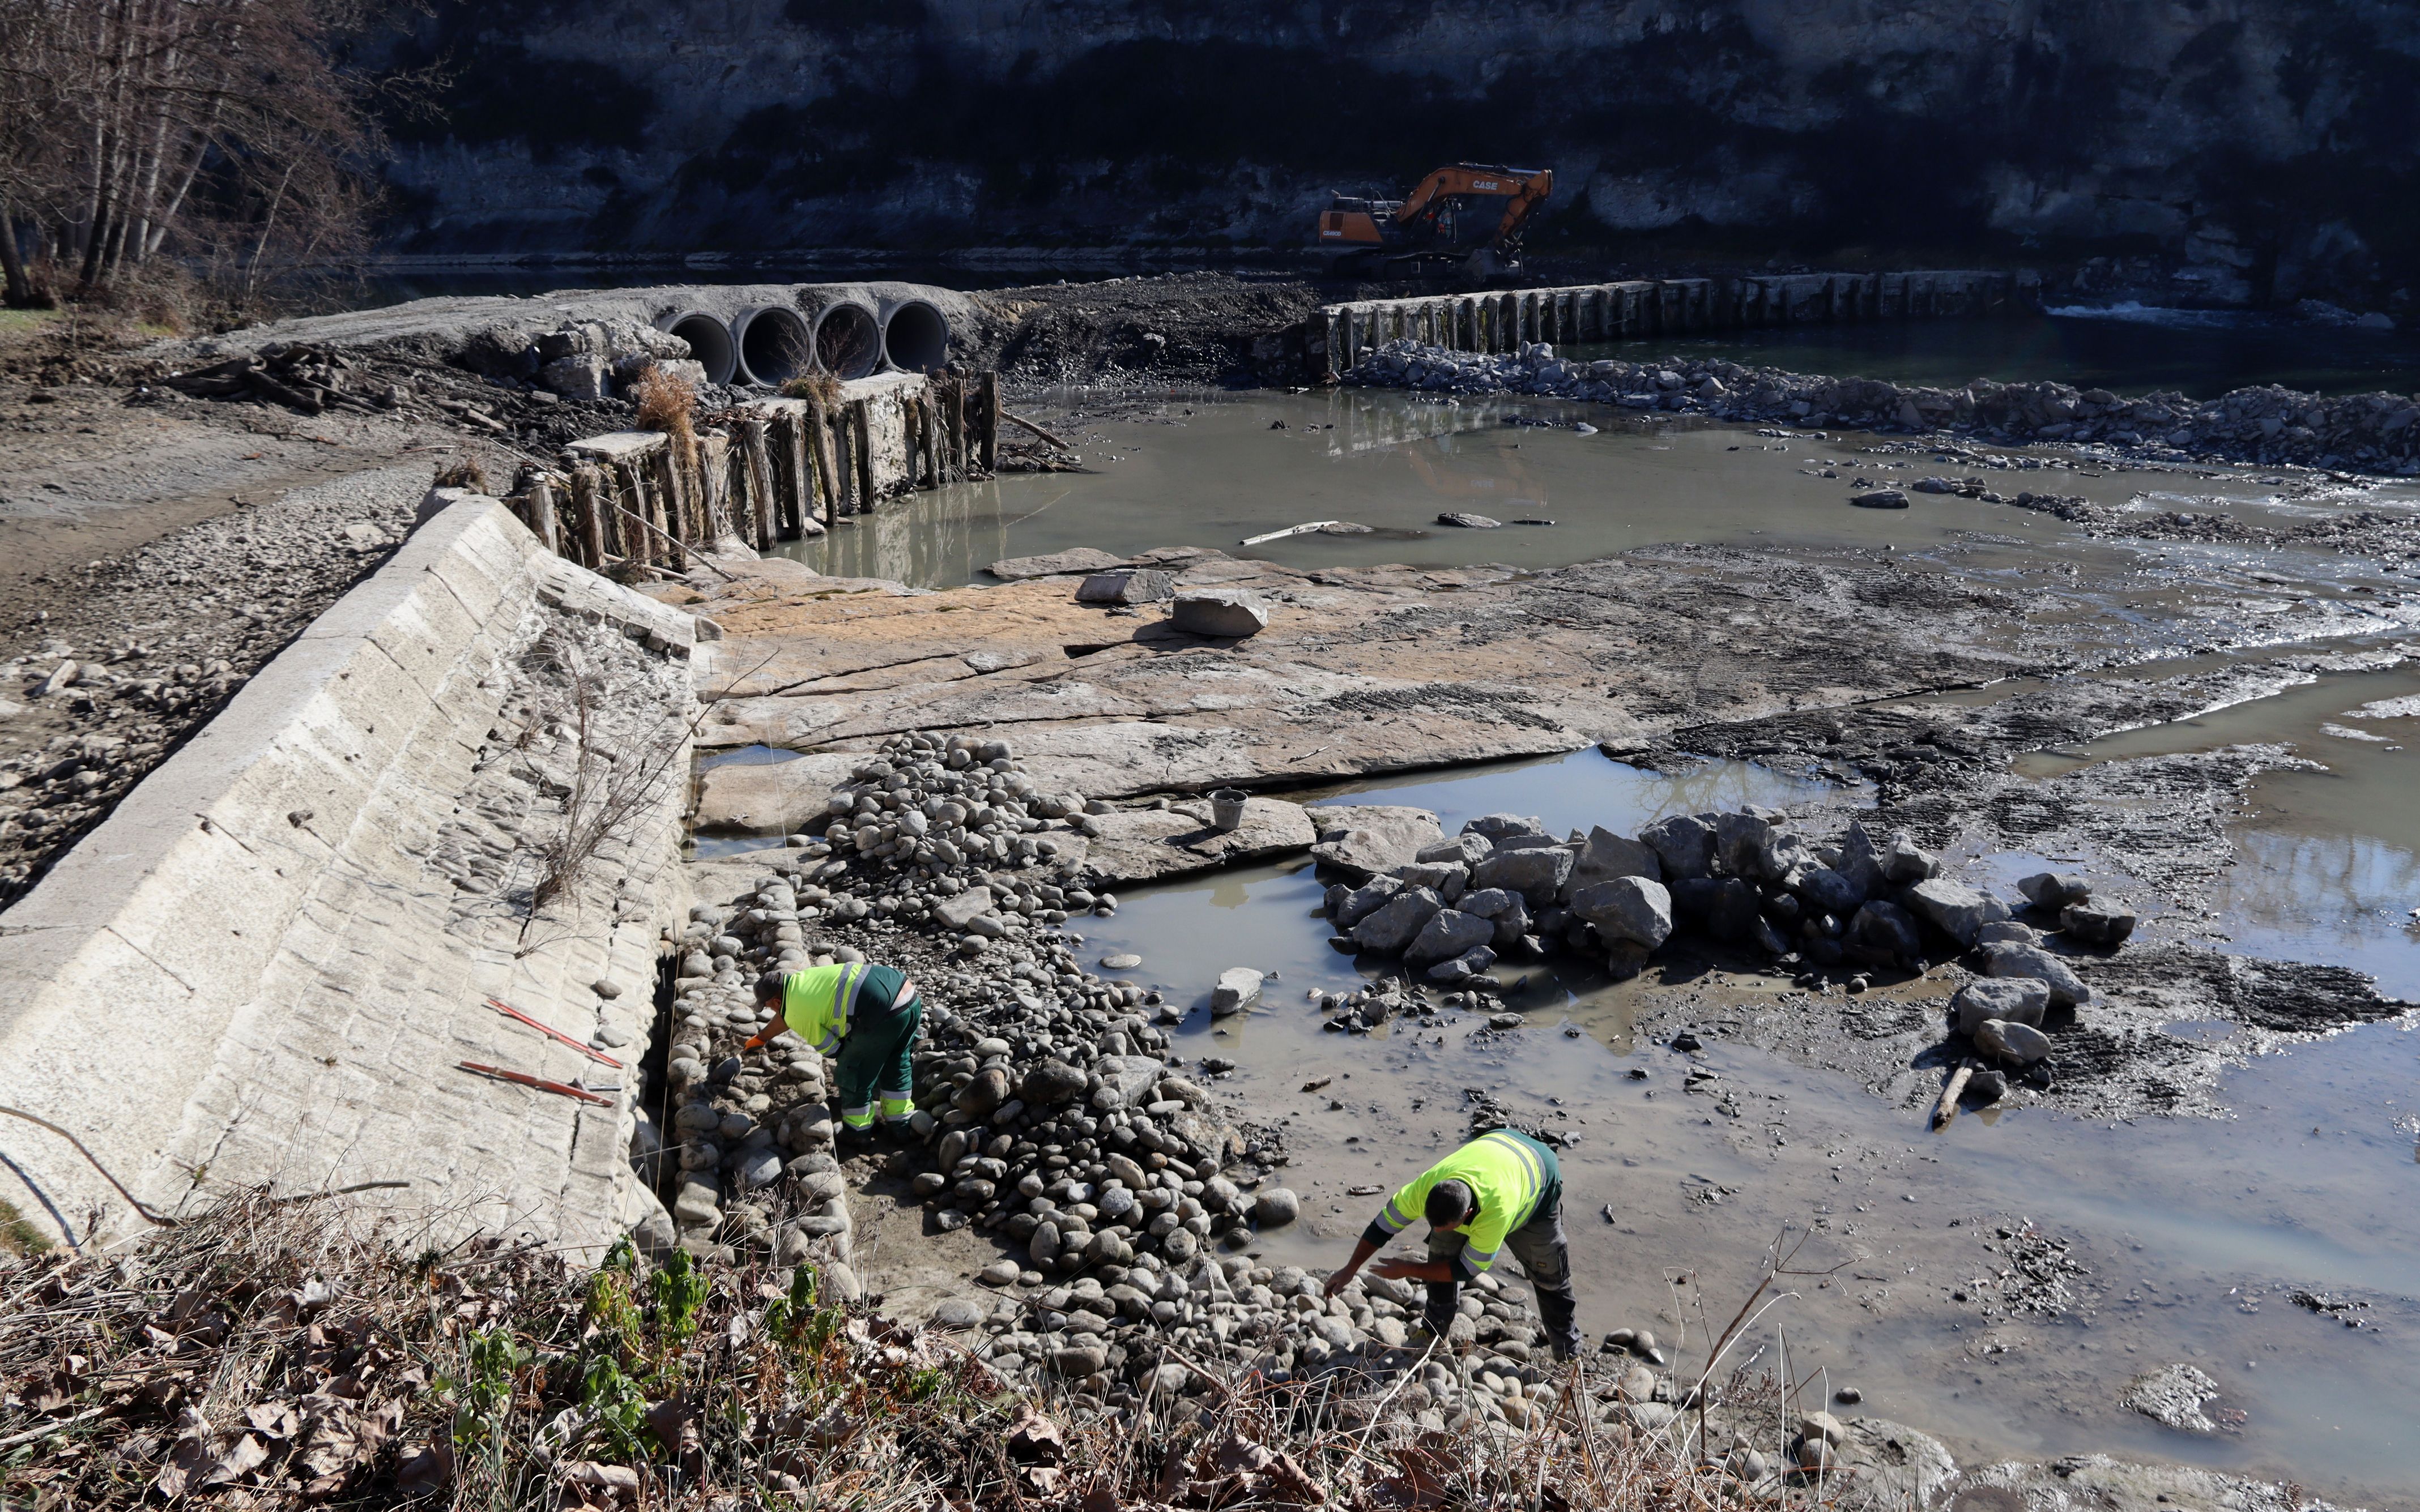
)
(667, 402)
(464, 472)
(821, 387)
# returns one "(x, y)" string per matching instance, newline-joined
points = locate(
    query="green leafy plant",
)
(483, 1395)
(617, 1409)
(677, 1290)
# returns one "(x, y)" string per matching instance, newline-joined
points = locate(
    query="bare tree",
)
(225, 133)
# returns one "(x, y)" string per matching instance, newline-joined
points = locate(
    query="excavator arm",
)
(1525, 188)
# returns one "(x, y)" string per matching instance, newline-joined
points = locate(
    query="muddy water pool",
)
(2191, 1235)
(1211, 469)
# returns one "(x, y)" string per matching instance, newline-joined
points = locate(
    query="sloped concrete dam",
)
(271, 965)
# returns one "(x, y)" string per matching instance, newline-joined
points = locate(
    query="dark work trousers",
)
(1539, 1246)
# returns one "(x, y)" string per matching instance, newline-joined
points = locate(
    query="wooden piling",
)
(588, 522)
(672, 503)
(541, 505)
(987, 430)
(799, 497)
(861, 433)
(817, 429)
(758, 460)
(953, 425)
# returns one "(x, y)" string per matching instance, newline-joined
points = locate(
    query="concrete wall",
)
(1615, 312)
(265, 966)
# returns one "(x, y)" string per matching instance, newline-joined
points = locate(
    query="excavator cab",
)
(1462, 221)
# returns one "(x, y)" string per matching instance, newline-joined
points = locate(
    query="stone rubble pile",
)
(1504, 888)
(2269, 425)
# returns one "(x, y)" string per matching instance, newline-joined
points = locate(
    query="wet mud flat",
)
(1904, 677)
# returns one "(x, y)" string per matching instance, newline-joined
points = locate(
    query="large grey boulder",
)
(1904, 862)
(1779, 854)
(1397, 921)
(1607, 855)
(1956, 909)
(1827, 891)
(1448, 877)
(2050, 891)
(1738, 837)
(1734, 911)
(2015, 999)
(1882, 934)
(1231, 613)
(1139, 586)
(1371, 838)
(2096, 924)
(1238, 988)
(958, 912)
(2020, 1042)
(1860, 861)
(1487, 903)
(1536, 872)
(1683, 843)
(1449, 933)
(1497, 826)
(1466, 849)
(2067, 989)
(1366, 899)
(1627, 908)
(1051, 1082)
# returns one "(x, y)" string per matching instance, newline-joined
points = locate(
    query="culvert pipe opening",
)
(915, 338)
(709, 342)
(775, 346)
(848, 342)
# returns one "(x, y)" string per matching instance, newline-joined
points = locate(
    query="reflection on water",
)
(2328, 864)
(1215, 470)
(1589, 787)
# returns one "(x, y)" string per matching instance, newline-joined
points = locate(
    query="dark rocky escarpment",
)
(2262, 149)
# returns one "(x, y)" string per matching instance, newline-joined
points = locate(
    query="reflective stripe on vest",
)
(818, 1002)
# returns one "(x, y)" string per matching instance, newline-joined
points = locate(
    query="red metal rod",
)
(510, 1011)
(525, 1079)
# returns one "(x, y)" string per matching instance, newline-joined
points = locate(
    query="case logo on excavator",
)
(1485, 184)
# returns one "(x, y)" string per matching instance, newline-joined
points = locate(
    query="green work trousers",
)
(875, 1061)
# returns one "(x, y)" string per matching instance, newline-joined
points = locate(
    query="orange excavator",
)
(1463, 220)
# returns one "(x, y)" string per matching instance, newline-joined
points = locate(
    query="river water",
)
(2194, 1235)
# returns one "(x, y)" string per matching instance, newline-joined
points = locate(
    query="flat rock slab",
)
(1361, 670)
(1083, 559)
(1144, 844)
(1371, 838)
(770, 797)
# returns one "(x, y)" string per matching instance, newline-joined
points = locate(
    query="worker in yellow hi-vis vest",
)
(1501, 1191)
(866, 1018)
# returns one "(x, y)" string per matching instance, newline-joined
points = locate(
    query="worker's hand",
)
(754, 1043)
(1339, 1280)
(1398, 1270)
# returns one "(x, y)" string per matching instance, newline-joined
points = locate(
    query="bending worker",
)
(1501, 1190)
(863, 1017)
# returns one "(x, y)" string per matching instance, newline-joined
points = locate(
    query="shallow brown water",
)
(2193, 1232)
(1211, 471)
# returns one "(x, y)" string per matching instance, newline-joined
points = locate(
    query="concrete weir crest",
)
(267, 964)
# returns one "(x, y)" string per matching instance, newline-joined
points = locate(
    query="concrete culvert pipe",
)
(775, 344)
(915, 337)
(848, 341)
(709, 342)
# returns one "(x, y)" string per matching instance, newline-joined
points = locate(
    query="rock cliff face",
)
(2264, 145)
